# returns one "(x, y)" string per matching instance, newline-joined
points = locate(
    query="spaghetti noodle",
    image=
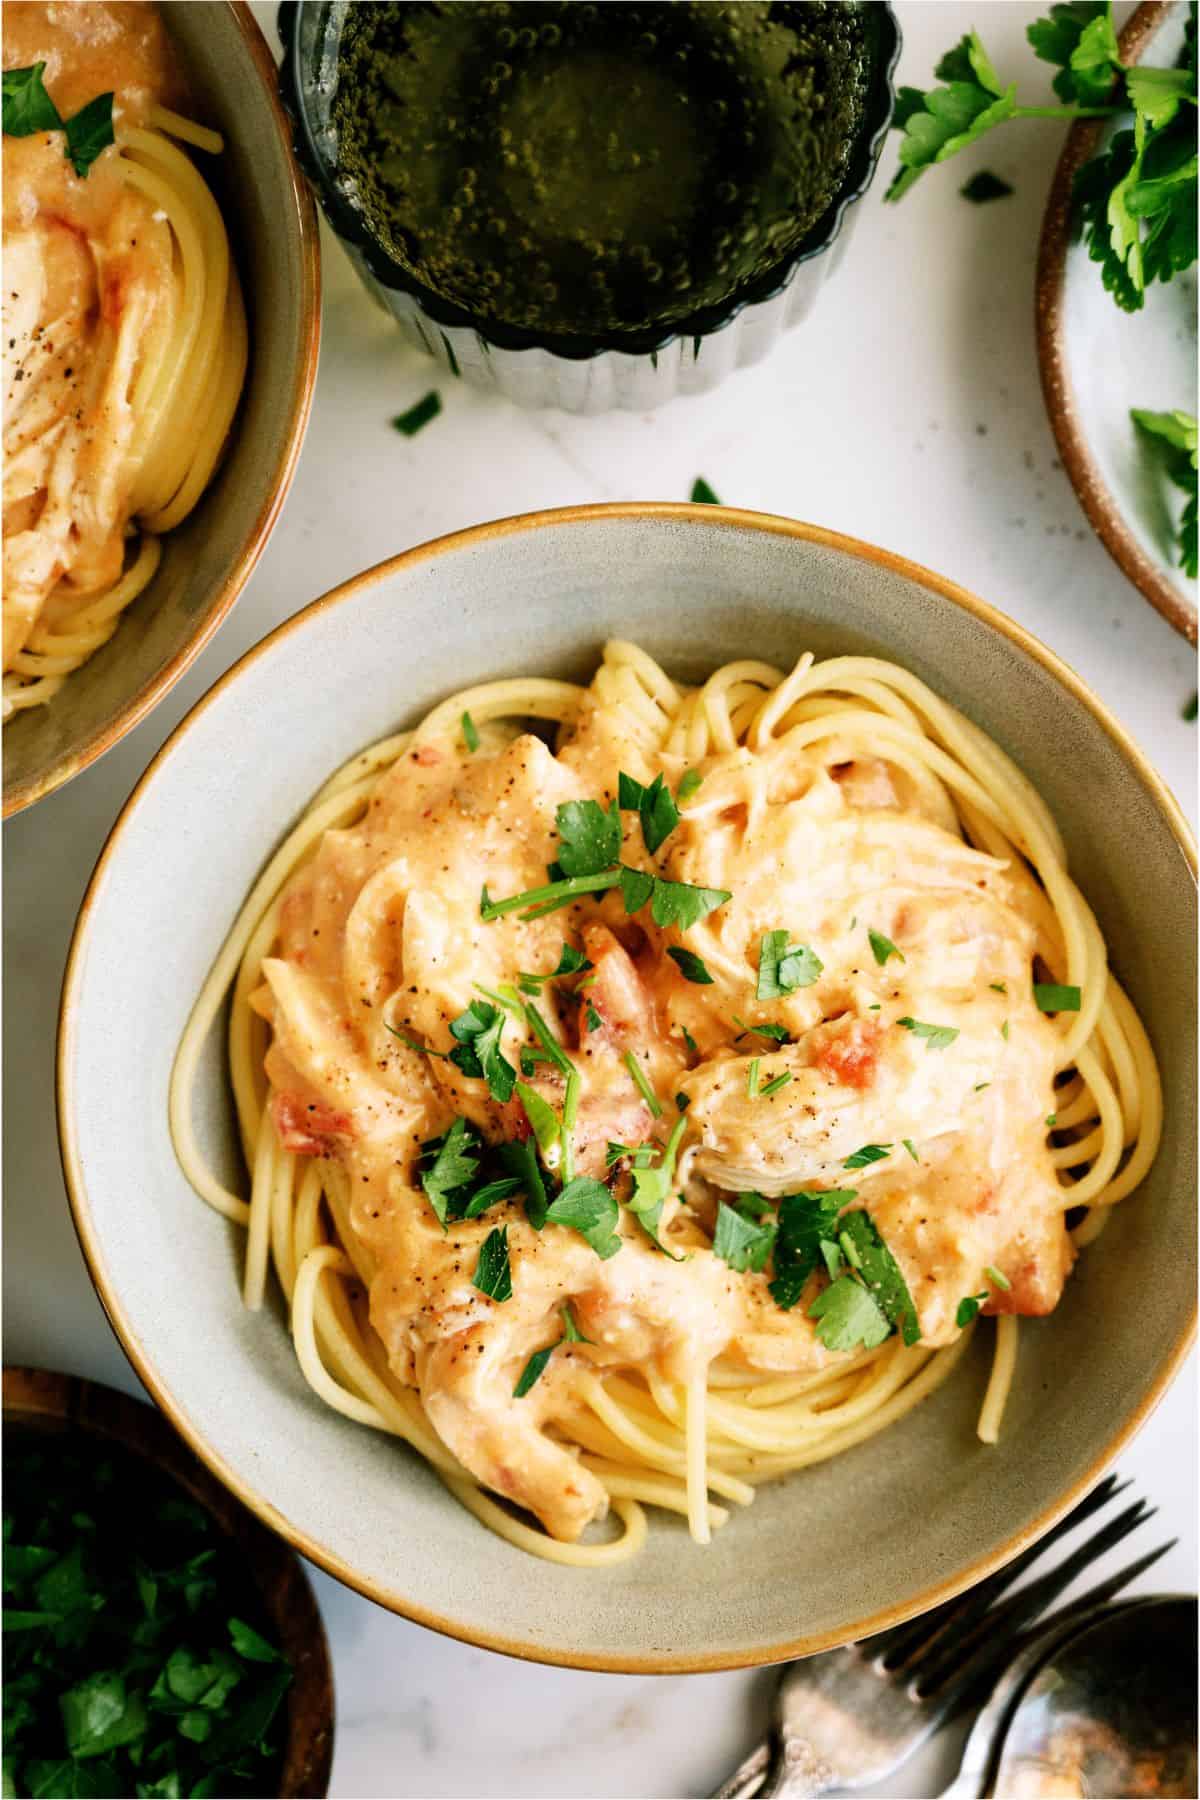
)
(843, 802)
(126, 347)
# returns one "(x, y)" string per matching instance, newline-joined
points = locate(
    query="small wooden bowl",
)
(40, 1400)
(1156, 582)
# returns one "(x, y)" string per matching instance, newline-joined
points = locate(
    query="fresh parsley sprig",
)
(1173, 436)
(28, 109)
(652, 1186)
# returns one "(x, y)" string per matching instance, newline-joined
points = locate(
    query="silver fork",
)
(846, 1718)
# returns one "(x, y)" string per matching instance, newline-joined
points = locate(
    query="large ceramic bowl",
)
(208, 560)
(832, 1553)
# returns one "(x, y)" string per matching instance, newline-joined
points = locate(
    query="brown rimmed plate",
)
(207, 562)
(1097, 362)
(39, 1400)
(837, 1551)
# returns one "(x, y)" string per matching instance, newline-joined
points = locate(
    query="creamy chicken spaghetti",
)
(124, 330)
(645, 1088)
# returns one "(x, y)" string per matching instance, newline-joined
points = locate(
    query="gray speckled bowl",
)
(207, 562)
(927, 1509)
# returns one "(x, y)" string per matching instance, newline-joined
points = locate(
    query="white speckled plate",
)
(832, 1553)
(1098, 362)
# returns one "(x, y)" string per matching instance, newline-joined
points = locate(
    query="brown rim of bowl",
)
(23, 794)
(662, 1663)
(1148, 576)
(33, 1396)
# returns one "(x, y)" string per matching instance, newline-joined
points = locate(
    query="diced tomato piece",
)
(426, 757)
(307, 1128)
(849, 1053)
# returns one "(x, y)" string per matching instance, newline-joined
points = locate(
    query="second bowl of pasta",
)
(674, 1072)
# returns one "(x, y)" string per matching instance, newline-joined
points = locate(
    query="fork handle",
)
(798, 1772)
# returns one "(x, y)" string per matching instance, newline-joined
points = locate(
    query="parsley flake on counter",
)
(740, 1242)
(984, 187)
(1053, 997)
(470, 733)
(478, 1032)
(784, 967)
(937, 1037)
(493, 1275)
(534, 1370)
(882, 947)
(690, 966)
(588, 1207)
(1190, 710)
(870, 1153)
(689, 783)
(418, 416)
(848, 1316)
(702, 494)
(638, 1077)
(654, 806)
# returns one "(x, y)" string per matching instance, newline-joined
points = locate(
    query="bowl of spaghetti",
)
(160, 329)
(683, 1078)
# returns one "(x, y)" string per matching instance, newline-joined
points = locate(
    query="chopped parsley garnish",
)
(689, 783)
(1051, 1121)
(1190, 709)
(493, 1276)
(968, 1308)
(588, 1207)
(478, 1031)
(520, 1159)
(451, 1172)
(998, 987)
(784, 967)
(414, 1043)
(1053, 997)
(742, 1243)
(778, 1034)
(534, 1369)
(641, 1083)
(589, 838)
(636, 888)
(870, 1153)
(997, 1279)
(470, 733)
(690, 966)
(689, 1040)
(702, 494)
(881, 1272)
(882, 947)
(418, 416)
(654, 806)
(1004, 1031)
(804, 1219)
(571, 1331)
(28, 108)
(773, 1087)
(570, 962)
(652, 1185)
(911, 1148)
(985, 186)
(980, 1085)
(677, 903)
(752, 1078)
(126, 1668)
(592, 1019)
(937, 1037)
(89, 132)
(682, 1102)
(534, 903)
(544, 1123)
(848, 1316)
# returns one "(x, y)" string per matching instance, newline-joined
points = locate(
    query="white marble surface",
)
(908, 412)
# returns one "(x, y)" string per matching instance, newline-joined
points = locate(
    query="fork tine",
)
(975, 1682)
(891, 1650)
(993, 1635)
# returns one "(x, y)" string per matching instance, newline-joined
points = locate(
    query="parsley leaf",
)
(690, 966)
(882, 947)
(455, 1162)
(651, 1187)
(1053, 997)
(89, 132)
(534, 903)
(848, 1316)
(677, 903)
(784, 967)
(589, 837)
(636, 888)
(588, 1207)
(642, 1083)
(533, 1370)
(870, 1153)
(937, 1037)
(778, 1034)
(773, 1087)
(478, 1031)
(1056, 39)
(983, 187)
(804, 1219)
(571, 1331)
(740, 1242)
(414, 420)
(968, 1308)
(501, 1189)
(881, 1272)
(493, 1275)
(654, 806)
(911, 1148)
(28, 108)
(570, 962)
(702, 494)
(520, 1159)
(1173, 435)
(470, 733)
(544, 1122)
(689, 782)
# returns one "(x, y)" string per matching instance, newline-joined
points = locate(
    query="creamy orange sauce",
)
(87, 281)
(382, 928)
